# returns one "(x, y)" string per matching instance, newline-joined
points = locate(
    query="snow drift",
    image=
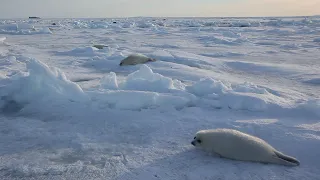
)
(2, 39)
(140, 89)
(143, 89)
(85, 51)
(149, 85)
(38, 87)
(245, 96)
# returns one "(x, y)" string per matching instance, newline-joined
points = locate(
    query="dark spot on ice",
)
(83, 79)
(9, 106)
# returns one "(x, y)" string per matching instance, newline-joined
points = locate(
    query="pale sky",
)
(172, 8)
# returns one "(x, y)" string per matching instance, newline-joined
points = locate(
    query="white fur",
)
(134, 59)
(233, 144)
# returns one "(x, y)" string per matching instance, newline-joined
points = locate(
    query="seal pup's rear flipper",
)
(285, 159)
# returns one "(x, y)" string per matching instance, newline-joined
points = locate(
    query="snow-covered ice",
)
(23, 29)
(69, 111)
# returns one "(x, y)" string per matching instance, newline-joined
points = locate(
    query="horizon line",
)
(125, 17)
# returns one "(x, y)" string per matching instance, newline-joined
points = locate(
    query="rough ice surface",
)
(82, 51)
(23, 29)
(109, 81)
(208, 86)
(41, 84)
(69, 111)
(145, 79)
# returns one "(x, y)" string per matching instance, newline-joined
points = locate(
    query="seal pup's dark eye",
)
(199, 141)
(194, 138)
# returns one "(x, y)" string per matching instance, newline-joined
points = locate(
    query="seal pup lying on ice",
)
(235, 145)
(134, 59)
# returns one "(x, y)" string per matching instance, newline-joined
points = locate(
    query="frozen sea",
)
(69, 111)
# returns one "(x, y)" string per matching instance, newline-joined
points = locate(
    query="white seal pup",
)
(134, 59)
(235, 145)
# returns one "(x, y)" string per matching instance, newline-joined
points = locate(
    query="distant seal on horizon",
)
(235, 145)
(134, 59)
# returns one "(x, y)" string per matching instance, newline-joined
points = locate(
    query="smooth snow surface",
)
(69, 111)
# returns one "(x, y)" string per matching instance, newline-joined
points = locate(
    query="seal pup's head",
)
(199, 138)
(205, 138)
(196, 141)
(151, 59)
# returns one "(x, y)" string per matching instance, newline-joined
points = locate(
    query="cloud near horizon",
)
(129, 8)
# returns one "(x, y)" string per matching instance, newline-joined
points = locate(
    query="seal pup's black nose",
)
(193, 143)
